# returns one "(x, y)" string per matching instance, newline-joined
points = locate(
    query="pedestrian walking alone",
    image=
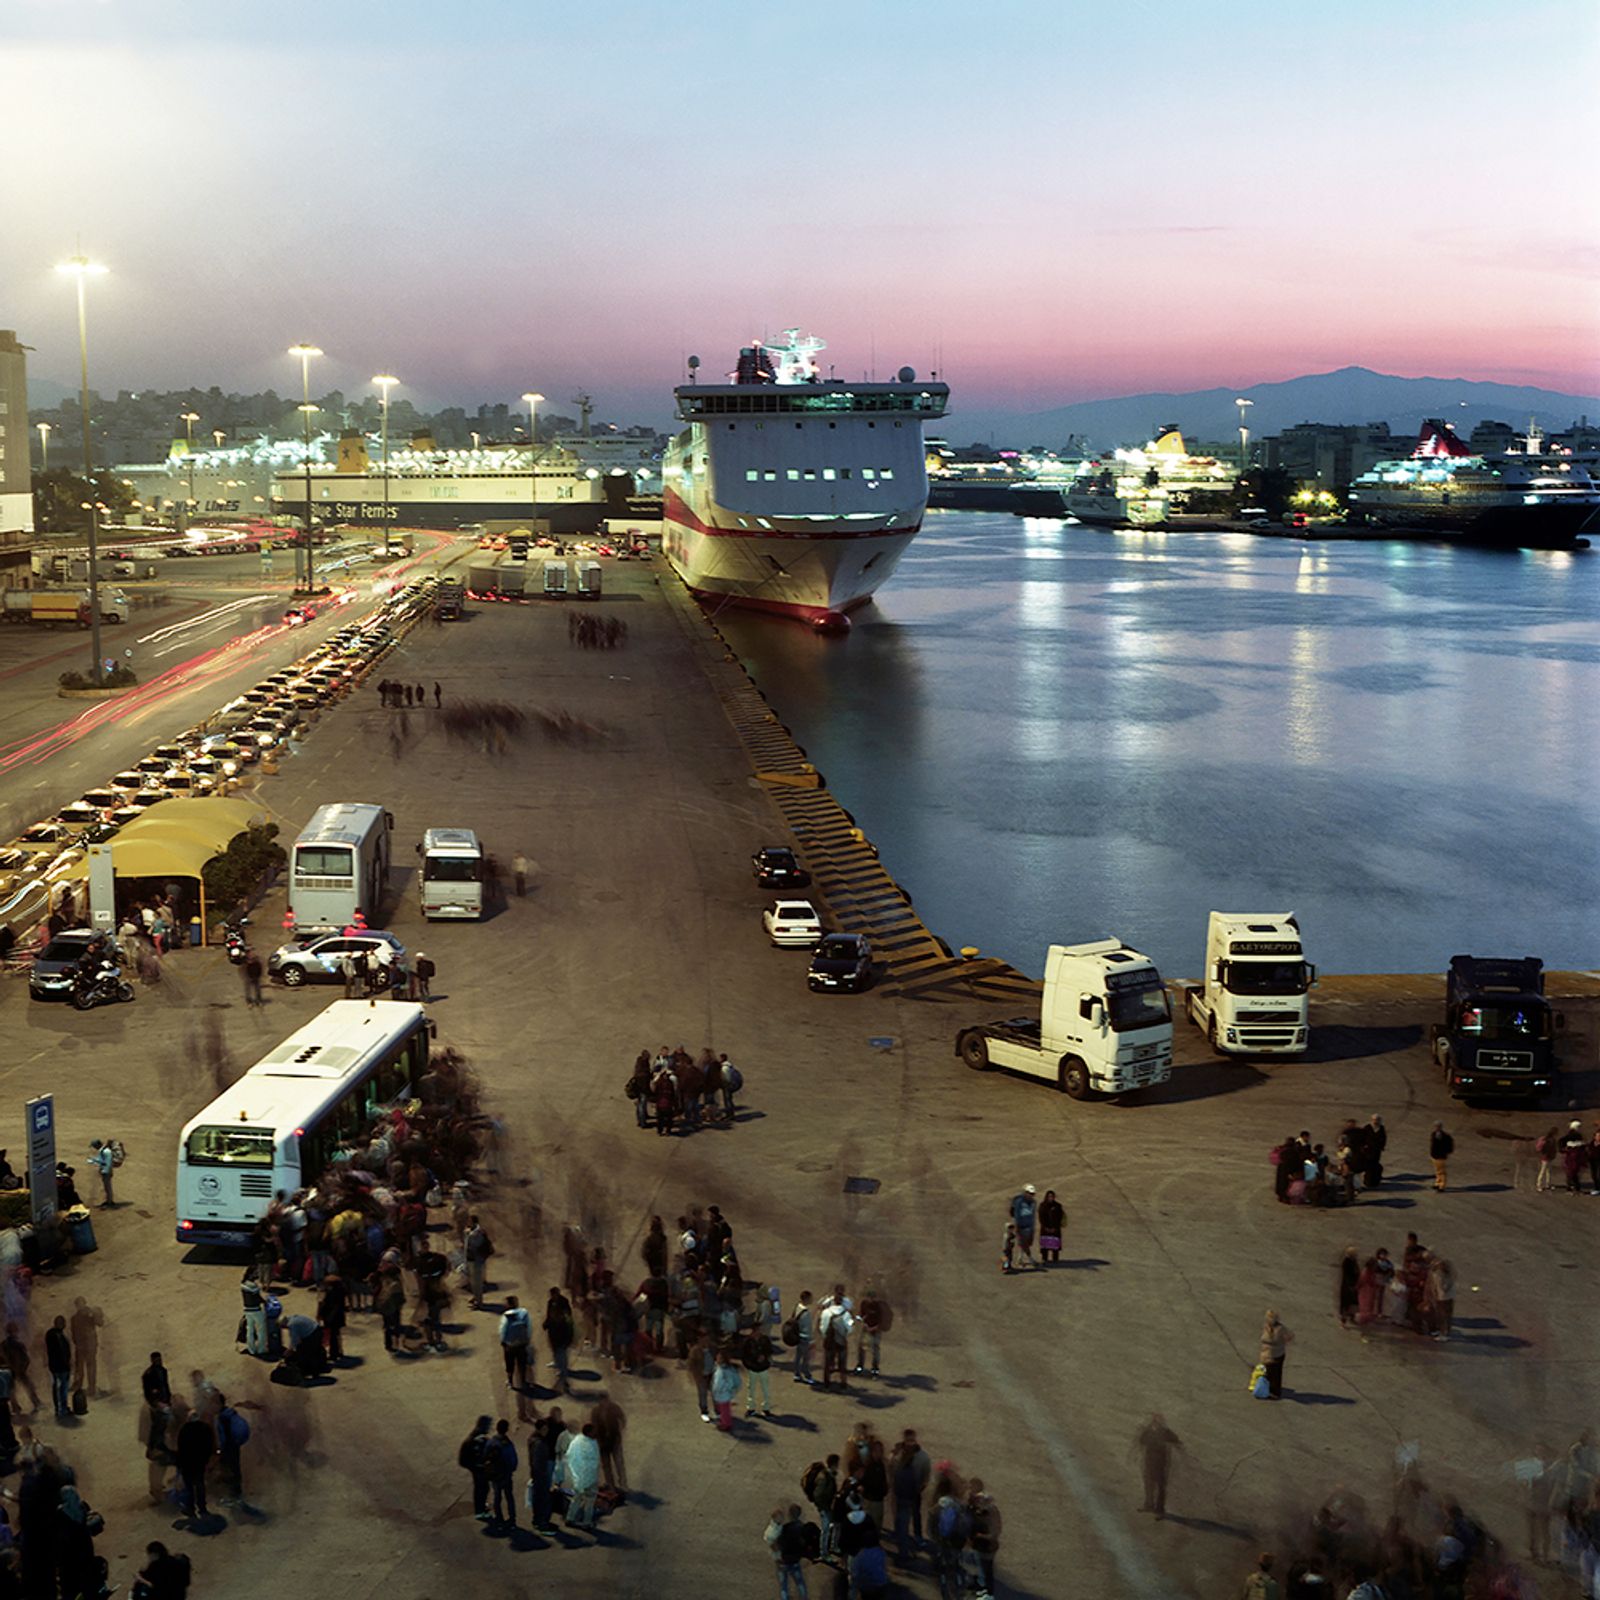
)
(1155, 1443)
(438, 695)
(252, 970)
(1440, 1146)
(1275, 1339)
(516, 1339)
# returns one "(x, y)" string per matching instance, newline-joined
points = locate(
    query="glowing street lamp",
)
(385, 382)
(44, 448)
(533, 438)
(188, 419)
(305, 352)
(1244, 432)
(82, 269)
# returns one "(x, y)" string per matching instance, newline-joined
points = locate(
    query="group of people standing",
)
(1307, 1174)
(1027, 1216)
(1418, 1293)
(574, 1470)
(1574, 1152)
(404, 694)
(673, 1084)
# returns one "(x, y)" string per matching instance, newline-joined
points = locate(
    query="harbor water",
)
(1055, 733)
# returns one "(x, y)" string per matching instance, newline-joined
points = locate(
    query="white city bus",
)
(279, 1125)
(452, 873)
(339, 866)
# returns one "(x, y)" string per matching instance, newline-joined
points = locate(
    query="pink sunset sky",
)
(1046, 203)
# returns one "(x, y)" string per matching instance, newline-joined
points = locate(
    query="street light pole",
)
(306, 352)
(189, 420)
(533, 439)
(81, 268)
(385, 382)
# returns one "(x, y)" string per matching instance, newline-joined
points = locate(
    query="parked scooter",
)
(233, 941)
(102, 984)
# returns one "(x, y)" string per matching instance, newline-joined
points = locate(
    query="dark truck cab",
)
(1497, 1038)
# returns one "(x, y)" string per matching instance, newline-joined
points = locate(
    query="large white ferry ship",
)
(791, 492)
(1526, 500)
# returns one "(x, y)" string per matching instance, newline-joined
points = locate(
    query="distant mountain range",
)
(1350, 395)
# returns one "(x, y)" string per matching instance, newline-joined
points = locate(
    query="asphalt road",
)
(642, 927)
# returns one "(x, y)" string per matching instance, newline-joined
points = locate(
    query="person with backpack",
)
(1440, 1148)
(785, 1538)
(837, 1322)
(233, 1434)
(802, 1323)
(1025, 1213)
(730, 1080)
(473, 1457)
(516, 1338)
(756, 1353)
(952, 1527)
(819, 1483)
(500, 1459)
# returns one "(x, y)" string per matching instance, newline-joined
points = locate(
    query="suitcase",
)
(80, 1403)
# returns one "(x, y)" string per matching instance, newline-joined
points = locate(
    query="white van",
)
(452, 873)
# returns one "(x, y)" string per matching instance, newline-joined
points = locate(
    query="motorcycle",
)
(233, 941)
(101, 985)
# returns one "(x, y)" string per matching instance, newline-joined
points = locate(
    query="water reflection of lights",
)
(1303, 724)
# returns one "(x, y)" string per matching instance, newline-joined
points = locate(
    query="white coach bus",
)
(339, 866)
(279, 1125)
(452, 873)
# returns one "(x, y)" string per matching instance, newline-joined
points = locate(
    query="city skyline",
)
(1049, 208)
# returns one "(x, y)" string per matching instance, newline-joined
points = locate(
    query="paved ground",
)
(642, 928)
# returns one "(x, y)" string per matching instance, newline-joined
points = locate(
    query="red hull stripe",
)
(816, 616)
(676, 511)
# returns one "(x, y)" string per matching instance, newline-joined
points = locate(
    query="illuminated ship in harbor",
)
(794, 493)
(1524, 500)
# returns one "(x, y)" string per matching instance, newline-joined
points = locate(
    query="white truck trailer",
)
(1254, 999)
(1104, 1026)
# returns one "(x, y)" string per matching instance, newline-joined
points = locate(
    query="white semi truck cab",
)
(1255, 997)
(1104, 1027)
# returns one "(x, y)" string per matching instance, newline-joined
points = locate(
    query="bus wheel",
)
(1074, 1078)
(975, 1052)
(293, 977)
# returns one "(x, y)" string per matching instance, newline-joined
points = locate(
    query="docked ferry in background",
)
(794, 493)
(1525, 500)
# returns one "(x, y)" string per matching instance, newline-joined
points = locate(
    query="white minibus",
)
(452, 873)
(339, 866)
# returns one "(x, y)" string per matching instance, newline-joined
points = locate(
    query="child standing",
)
(1008, 1248)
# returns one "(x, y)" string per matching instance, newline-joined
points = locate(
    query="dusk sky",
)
(1046, 202)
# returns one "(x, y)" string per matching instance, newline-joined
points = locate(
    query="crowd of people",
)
(673, 1088)
(574, 1470)
(360, 1238)
(1308, 1174)
(1576, 1153)
(1417, 1293)
(407, 695)
(854, 1495)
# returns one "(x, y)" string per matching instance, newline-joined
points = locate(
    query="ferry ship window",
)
(829, 474)
(811, 476)
(869, 472)
(844, 472)
(751, 475)
(771, 477)
(888, 472)
(793, 474)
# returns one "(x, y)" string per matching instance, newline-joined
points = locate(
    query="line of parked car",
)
(839, 961)
(211, 756)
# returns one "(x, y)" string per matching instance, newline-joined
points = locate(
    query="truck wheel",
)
(1211, 1037)
(1074, 1078)
(975, 1052)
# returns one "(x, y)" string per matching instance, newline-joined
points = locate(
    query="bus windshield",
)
(323, 861)
(1139, 1006)
(451, 869)
(229, 1146)
(1265, 977)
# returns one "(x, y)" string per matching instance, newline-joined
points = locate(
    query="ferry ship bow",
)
(793, 493)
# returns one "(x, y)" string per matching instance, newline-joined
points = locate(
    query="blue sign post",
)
(42, 1157)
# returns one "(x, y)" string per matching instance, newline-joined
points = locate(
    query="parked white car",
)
(792, 922)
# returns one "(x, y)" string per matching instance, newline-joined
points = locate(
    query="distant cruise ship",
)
(1517, 501)
(794, 493)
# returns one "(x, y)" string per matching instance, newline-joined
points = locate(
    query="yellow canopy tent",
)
(177, 837)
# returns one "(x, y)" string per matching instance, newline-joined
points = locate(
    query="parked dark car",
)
(841, 961)
(775, 867)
